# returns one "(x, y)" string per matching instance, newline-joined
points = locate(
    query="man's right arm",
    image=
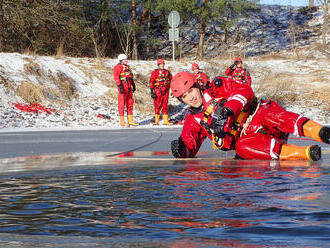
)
(152, 79)
(230, 70)
(116, 74)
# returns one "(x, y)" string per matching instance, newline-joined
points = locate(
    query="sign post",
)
(173, 21)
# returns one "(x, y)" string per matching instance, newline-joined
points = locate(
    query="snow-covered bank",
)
(82, 89)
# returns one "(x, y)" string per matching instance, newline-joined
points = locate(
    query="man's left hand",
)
(219, 120)
(133, 87)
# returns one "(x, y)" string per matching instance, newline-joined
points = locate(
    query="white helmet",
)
(122, 56)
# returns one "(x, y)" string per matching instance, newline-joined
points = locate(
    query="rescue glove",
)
(152, 93)
(177, 147)
(219, 120)
(121, 89)
(218, 82)
(133, 87)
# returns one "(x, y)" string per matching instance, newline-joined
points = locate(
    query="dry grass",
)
(272, 56)
(278, 88)
(322, 95)
(30, 92)
(300, 90)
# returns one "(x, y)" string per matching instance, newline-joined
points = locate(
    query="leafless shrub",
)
(292, 35)
(141, 79)
(32, 68)
(66, 85)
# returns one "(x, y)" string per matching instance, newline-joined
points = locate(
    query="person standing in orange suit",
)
(123, 77)
(238, 73)
(159, 84)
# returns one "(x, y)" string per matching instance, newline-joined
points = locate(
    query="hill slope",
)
(79, 89)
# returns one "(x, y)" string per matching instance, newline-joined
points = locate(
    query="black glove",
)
(152, 93)
(207, 86)
(219, 120)
(218, 82)
(121, 89)
(133, 87)
(177, 147)
(232, 67)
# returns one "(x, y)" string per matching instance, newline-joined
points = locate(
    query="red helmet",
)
(194, 66)
(182, 82)
(160, 61)
(238, 59)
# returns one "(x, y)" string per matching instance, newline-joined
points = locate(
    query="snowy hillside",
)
(80, 92)
(271, 28)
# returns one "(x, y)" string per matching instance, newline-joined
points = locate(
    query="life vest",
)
(232, 130)
(240, 74)
(162, 79)
(200, 81)
(126, 74)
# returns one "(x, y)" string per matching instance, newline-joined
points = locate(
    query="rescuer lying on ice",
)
(230, 116)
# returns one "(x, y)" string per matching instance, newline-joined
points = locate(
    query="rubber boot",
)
(165, 120)
(312, 129)
(325, 134)
(156, 119)
(130, 121)
(122, 120)
(293, 152)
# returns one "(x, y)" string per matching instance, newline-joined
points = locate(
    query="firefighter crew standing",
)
(159, 84)
(202, 79)
(238, 73)
(123, 77)
(228, 115)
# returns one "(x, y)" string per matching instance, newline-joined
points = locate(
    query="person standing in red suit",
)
(228, 115)
(159, 84)
(238, 73)
(123, 77)
(202, 79)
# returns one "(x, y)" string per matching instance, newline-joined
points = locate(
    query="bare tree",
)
(135, 25)
(326, 20)
(125, 34)
(44, 27)
(311, 3)
(1, 25)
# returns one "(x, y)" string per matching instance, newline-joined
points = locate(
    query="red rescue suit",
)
(239, 74)
(160, 81)
(202, 79)
(123, 76)
(255, 131)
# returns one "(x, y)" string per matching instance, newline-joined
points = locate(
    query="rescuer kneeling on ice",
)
(230, 116)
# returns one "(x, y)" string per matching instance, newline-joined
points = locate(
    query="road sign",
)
(173, 34)
(174, 19)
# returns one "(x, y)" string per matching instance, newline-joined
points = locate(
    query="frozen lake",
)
(96, 190)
